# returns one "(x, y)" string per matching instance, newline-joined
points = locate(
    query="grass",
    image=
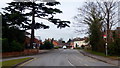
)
(102, 54)
(56, 47)
(13, 62)
(96, 53)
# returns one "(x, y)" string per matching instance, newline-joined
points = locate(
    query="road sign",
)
(104, 36)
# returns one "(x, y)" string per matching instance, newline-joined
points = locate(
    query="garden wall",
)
(23, 53)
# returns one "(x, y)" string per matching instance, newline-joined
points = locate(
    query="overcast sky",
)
(69, 8)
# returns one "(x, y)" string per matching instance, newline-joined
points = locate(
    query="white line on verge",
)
(26, 63)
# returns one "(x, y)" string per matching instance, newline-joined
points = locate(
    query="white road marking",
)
(70, 63)
(81, 60)
(85, 64)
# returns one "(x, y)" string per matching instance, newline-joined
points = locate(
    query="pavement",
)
(101, 58)
(64, 57)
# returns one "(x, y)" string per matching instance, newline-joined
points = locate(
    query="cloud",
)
(69, 9)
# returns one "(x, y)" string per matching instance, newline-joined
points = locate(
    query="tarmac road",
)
(64, 57)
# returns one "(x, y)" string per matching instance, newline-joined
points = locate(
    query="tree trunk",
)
(108, 26)
(32, 28)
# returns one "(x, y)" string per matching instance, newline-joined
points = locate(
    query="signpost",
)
(104, 36)
(106, 51)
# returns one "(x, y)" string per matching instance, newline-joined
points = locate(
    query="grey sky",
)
(69, 8)
(69, 11)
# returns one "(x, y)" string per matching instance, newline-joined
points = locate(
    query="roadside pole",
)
(106, 47)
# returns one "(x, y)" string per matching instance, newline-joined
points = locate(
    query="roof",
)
(78, 39)
(27, 40)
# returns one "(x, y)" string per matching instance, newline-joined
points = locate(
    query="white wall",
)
(79, 43)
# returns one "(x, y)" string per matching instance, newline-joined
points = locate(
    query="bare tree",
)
(106, 10)
(109, 10)
(85, 16)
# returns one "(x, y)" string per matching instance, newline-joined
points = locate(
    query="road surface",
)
(64, 57)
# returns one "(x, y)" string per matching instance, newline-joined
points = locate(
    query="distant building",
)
(78, 42)
(36, 43)
(54, 42)
(118, 31)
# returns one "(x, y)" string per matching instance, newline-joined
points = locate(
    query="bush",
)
(56, 47)
(10, 47)
(47, 45)
(111, 49)
(42, 47)
(114, 48)
(13, 33)
(16, 46)
(82, 46)
(5, 45)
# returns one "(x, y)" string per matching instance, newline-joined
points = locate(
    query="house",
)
(36, 43)
(118, 31)
(72, 44)
(54, 42)
(77, 42)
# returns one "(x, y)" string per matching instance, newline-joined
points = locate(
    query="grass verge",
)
(102, 54)
(95, 53)
(14, 62)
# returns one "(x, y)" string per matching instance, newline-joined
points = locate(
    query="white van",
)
(64, 47)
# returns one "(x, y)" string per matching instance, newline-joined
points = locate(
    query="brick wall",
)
(25, 52)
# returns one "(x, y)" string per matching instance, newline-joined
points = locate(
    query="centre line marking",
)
(70, 63)
(86, 65)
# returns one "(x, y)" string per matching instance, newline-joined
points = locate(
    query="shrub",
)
(111, 49)
(10, 47)
(47, 45)
(16, 46)
(5, 45)
(42, 47)
(114, 48)
(82, 46)
(56, 47)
